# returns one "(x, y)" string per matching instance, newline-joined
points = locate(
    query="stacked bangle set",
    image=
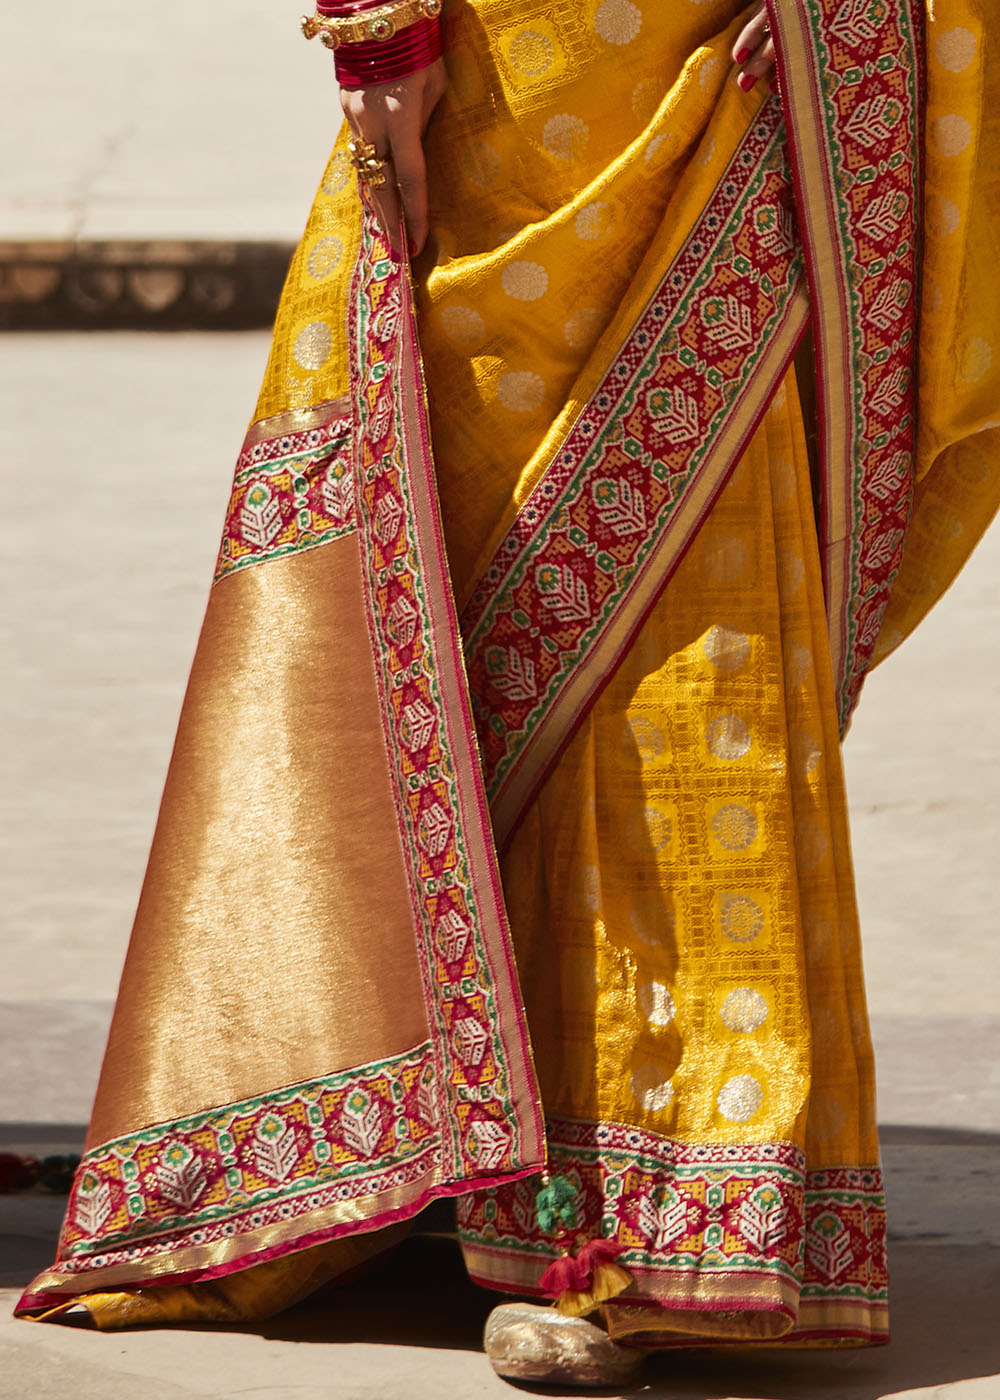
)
(376, 42)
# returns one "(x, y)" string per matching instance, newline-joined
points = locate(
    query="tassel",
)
(580, 1284)
(563, 1275)
(555, 1205)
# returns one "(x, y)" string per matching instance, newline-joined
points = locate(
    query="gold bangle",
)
(371, 25)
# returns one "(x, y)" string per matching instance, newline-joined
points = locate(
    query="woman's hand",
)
(392, 117)
(753, 52)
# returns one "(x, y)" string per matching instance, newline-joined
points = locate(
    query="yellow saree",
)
(564, 759)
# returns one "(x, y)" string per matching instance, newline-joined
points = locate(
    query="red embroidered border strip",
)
(272, 1159)
(732, 1213)
(293, 489)
(850, 82)
(577, 552)
(489, 1106)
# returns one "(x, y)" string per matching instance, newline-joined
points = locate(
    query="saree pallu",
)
(542, 731)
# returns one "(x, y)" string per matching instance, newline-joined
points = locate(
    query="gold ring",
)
(369, 166)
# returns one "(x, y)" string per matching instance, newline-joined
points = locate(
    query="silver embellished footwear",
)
(528, 1342)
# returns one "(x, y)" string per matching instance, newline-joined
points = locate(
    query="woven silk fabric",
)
(683, 898)
(548, 192)
(623, 256)
(959, 432)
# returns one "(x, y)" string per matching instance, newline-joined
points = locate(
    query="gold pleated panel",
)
(681, 893)
(249, 1295)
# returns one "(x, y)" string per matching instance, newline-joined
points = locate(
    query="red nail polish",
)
(411, 244)
(742, 55)
(746, 81)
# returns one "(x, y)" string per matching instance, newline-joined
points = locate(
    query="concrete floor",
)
(119, 451)
(188, 121)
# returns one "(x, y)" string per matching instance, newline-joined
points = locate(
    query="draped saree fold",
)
(538, 728)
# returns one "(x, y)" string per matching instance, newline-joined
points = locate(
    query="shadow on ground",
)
(944, 1328)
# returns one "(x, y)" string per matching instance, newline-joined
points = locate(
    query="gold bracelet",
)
(370, 25)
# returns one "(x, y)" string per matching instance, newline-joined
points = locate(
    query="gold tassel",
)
(609, 1280)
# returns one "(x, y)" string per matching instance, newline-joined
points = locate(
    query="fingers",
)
(392, 118)
(411, 183)
(366, 124)
(384, 201)
(751, 38)
(434, 89)
(753, 51)
(403, 194)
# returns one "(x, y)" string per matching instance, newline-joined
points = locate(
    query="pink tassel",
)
(599, 1251)
(561, 1274)
(577, 1274)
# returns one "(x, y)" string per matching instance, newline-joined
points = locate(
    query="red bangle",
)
(344, 9)
(363, 65)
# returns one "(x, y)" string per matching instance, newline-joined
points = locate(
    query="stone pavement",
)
(161, 164)
(124, 445)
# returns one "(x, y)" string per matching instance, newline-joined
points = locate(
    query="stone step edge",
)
(140, 283)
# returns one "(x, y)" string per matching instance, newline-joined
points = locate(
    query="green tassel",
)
(555, 1205)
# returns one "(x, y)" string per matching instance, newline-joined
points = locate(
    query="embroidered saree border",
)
(293, 488)
(704, 1227)
(328, 1145)
(849, 81)
(490, 1119)
(233, 1186)
(599, 536)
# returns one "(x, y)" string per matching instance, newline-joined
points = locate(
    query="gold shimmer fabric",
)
(671, 894)
(229, 816)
